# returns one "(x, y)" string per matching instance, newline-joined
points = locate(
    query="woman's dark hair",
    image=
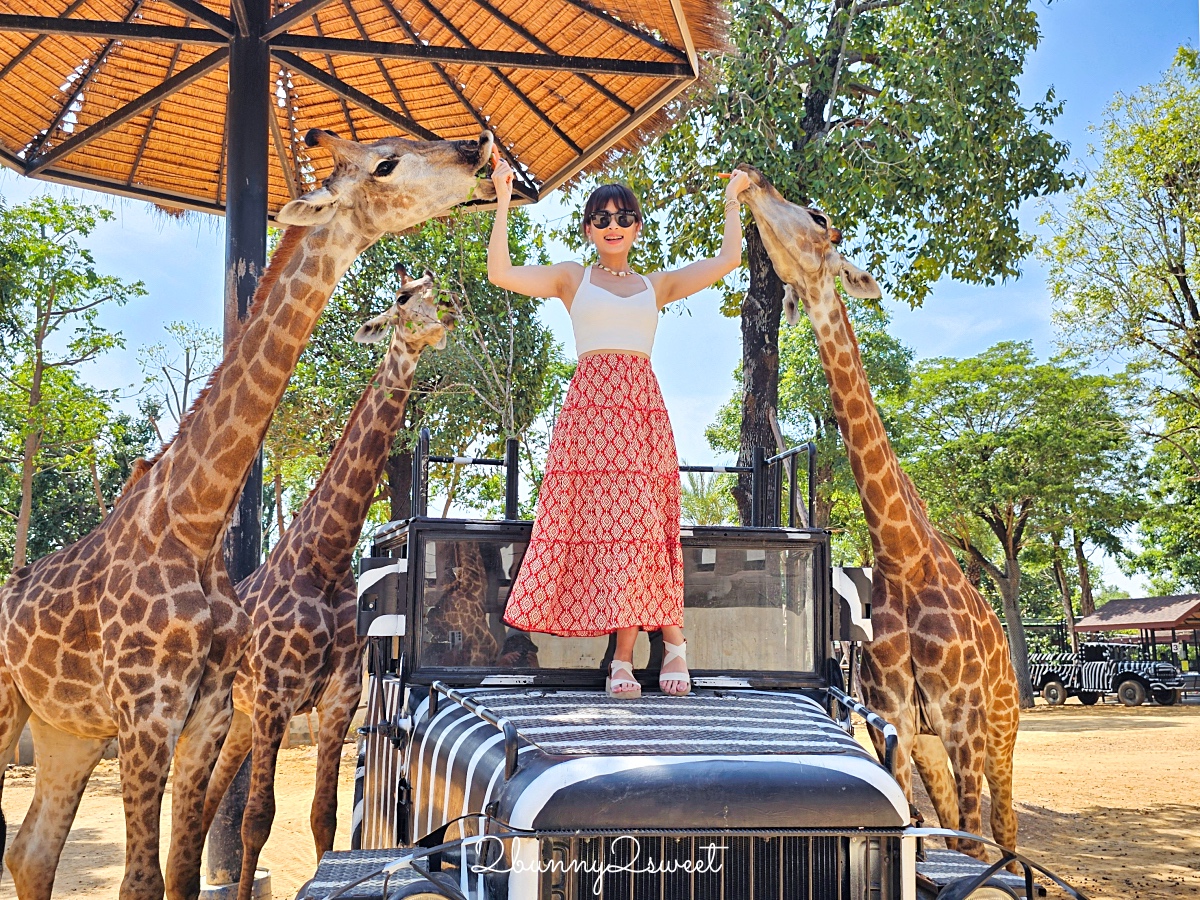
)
(620, 194)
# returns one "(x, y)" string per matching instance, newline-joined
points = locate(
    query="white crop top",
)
(603, 320)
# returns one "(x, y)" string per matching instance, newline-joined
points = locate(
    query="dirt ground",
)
(1108, 797)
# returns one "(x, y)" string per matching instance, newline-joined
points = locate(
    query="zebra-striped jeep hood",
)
(712, 760)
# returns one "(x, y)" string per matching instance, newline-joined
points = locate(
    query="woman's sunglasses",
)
(625, 218)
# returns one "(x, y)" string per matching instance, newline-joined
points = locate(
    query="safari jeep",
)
(493, 765)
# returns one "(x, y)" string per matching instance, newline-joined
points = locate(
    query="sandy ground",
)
(1108, 797)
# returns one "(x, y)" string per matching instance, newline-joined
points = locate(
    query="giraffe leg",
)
(200, 745)
(998, 769)
(64, 764)
(968, 761)
(144, 754)
(270, 722)
(233, 754)
(934, 767)
(14, 713)
(335, 709)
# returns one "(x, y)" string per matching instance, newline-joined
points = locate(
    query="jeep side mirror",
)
(382, 596)
(852, 608)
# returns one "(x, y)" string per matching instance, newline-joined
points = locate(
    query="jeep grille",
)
(743, 867)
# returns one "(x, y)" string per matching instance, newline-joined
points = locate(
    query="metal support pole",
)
(758, 485)
(812, 484)
(777, 499)
(246, 136)
(420, 493)
(512, 474)
(793, 492)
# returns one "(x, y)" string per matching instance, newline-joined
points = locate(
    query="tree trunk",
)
(279, 504)
(25, 512)
(29, 453)
(823, 506)
(1009, 585)
(761, 309)
(100, 504)
(399, 480)
(1087, 605)
(1064, 590)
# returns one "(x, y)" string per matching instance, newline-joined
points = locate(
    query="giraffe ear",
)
(791, 304)
(857, 282)
(441, 345)
(373, 331)
(314, 208)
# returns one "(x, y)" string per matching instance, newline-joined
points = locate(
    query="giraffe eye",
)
(819, 218)
(386, 167)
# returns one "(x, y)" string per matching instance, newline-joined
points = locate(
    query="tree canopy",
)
(1002, 448)
(50, 298)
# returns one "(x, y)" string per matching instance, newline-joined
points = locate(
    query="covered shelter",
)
(1174, 620)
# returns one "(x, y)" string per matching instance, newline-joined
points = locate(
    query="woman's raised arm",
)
(533, 281)
(672, 286)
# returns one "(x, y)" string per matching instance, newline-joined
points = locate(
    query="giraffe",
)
(938, 666)
(304, 650)
(134, 631)
(459, 620)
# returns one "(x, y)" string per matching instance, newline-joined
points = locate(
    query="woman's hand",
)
(738, 182)
(502, 177)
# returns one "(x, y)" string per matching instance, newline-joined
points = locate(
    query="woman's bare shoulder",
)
(570, 277)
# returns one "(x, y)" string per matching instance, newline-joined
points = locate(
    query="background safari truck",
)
(493, 765)
(1099, 669)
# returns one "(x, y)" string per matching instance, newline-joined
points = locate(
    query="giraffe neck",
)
(202, 472)
(331, 519)
(894, 514)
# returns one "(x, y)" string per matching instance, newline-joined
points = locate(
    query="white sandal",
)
(620, 665)
(673, 651)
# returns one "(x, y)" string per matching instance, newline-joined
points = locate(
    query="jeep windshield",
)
(749, 611)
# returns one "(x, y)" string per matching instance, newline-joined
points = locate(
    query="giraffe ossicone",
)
(135, 631)
(938, 665)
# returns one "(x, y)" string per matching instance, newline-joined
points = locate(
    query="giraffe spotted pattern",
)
(938, 667)
(135, 631)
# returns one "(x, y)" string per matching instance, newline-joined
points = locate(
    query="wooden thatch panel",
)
(63, 92)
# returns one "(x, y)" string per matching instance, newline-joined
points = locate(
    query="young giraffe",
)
(304, 650)
(135, 632)
(460, 612)
(938, 667)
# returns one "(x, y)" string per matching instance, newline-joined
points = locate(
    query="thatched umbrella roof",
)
(129, 96)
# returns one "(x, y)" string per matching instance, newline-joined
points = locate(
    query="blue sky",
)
(1090, 50)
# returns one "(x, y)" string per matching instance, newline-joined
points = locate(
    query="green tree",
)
(999, 446)
(51, 294)
(903, 120)
(706, 499)
(75, 490)
(806, 413)
(1123, 271)
(176, 369)
(1123, 255)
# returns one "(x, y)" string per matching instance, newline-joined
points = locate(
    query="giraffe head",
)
(802, 245)
(393, 184)
(420, 315)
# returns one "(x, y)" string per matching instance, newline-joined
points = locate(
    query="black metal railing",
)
(420, 473)
(764, 472)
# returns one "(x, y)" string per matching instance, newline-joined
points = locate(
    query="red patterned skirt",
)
(605, 550)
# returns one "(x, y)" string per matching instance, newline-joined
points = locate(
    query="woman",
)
(605, 554)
